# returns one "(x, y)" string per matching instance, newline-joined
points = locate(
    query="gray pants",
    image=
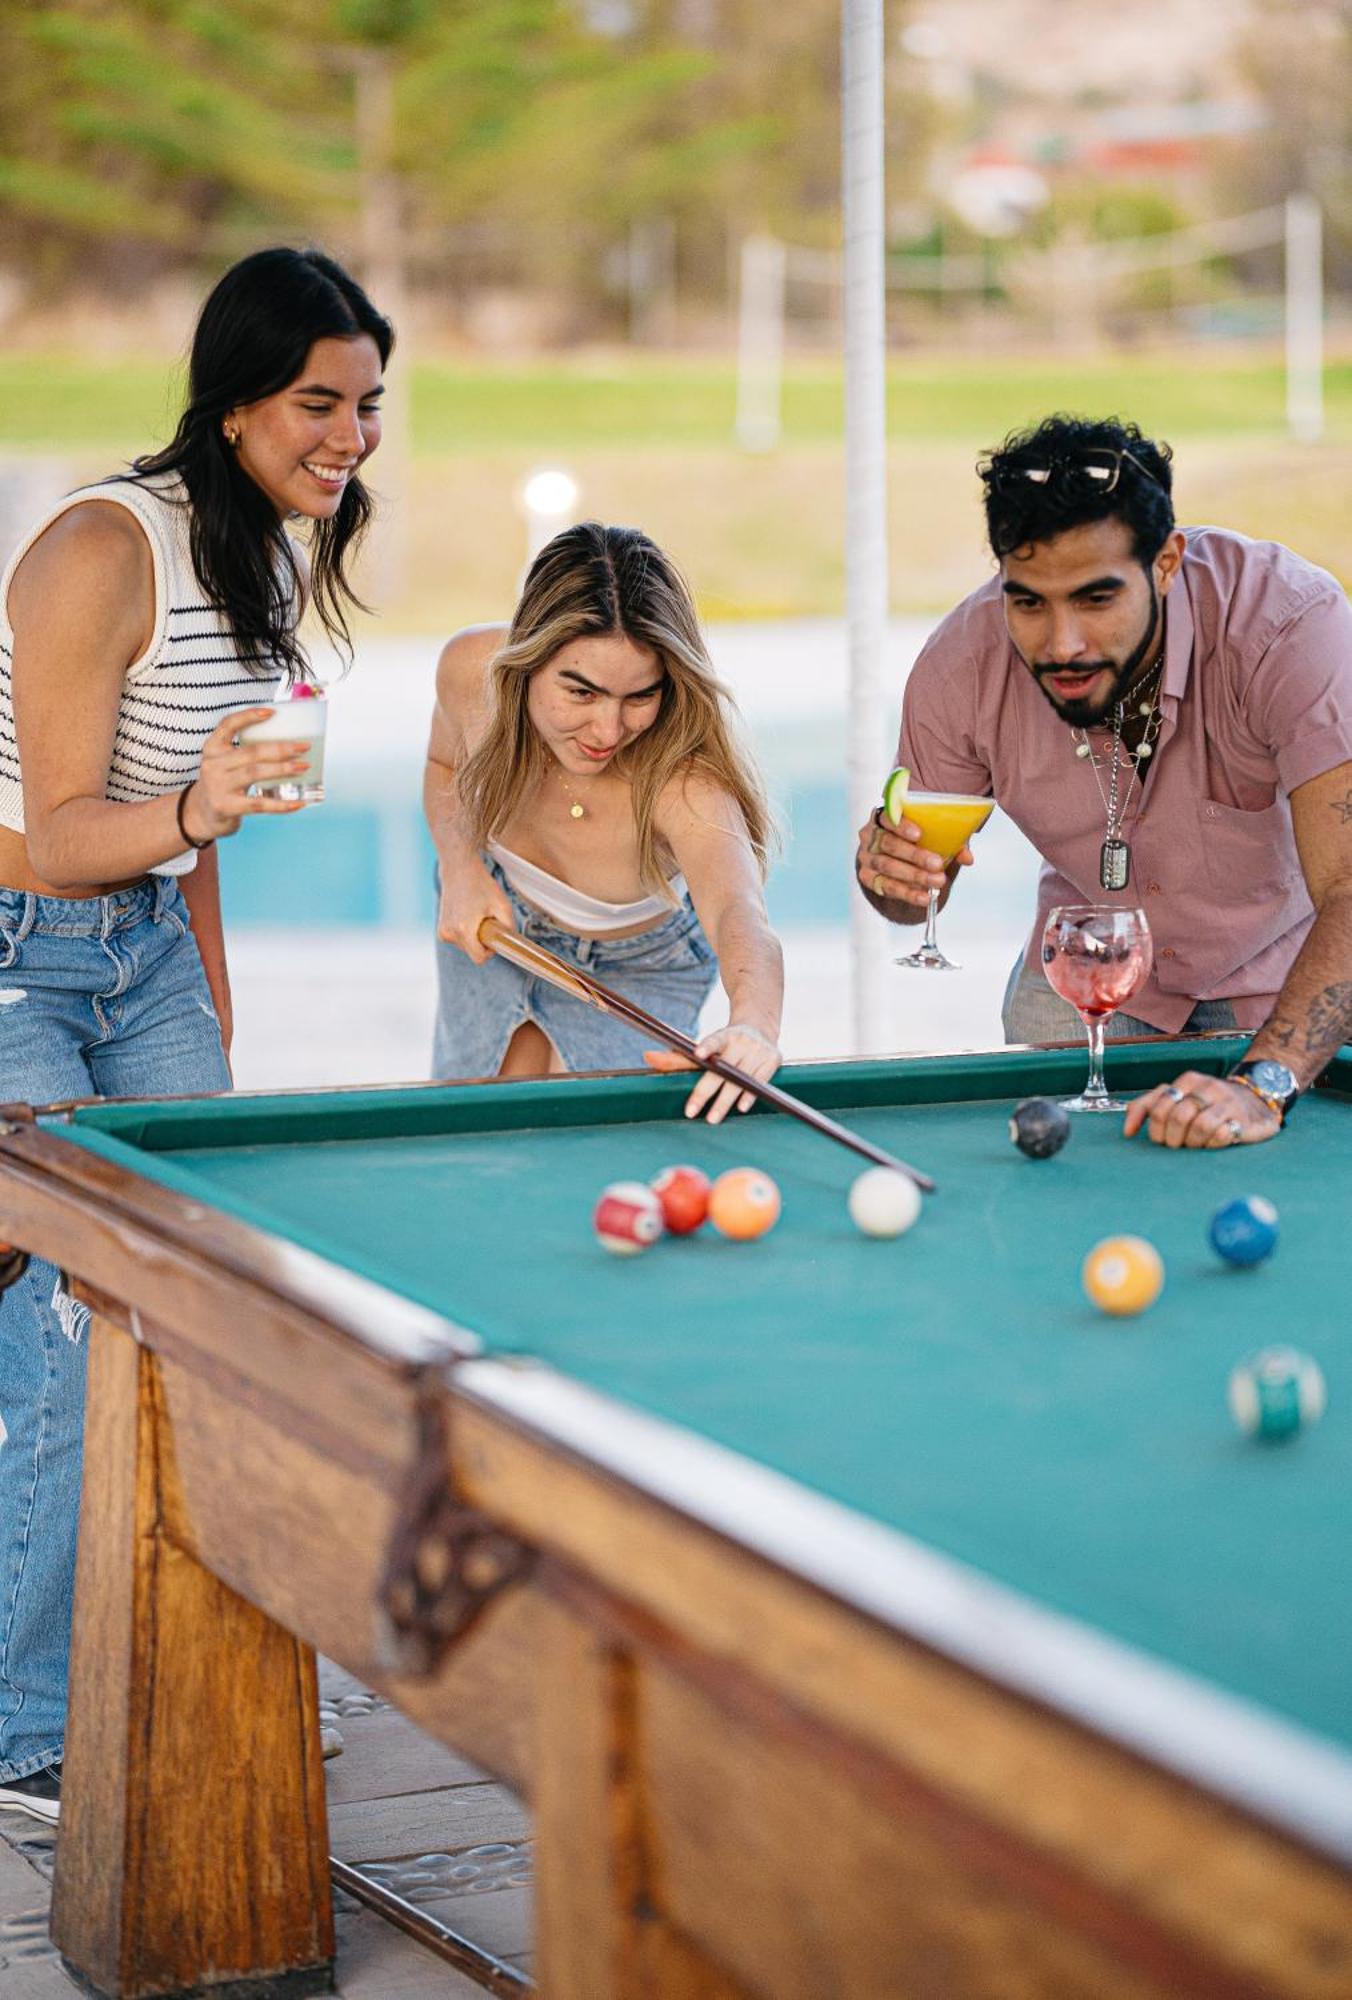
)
(1033, 1013)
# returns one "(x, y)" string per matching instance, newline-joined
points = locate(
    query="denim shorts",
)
(668, 970)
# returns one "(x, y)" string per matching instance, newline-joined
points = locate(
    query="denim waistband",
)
(86, 916)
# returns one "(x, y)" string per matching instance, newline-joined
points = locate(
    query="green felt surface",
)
(954, 1383)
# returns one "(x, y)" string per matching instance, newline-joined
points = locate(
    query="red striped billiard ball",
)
(627, 1218)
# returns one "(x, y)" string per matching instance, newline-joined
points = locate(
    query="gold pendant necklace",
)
(576, 809)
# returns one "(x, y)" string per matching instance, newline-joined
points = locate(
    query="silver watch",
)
(1272, 1081)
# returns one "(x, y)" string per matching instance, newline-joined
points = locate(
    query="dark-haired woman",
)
(585, 785)
(142, 623)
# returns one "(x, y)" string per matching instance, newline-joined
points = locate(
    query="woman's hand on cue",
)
(713, 1097)
(468, 895)
(894, 868)
(218, 797)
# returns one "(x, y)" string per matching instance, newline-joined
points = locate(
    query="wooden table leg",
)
(601, 1933)
(193, 1845)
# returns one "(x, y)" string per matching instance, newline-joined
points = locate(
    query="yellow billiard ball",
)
(1123, 1274)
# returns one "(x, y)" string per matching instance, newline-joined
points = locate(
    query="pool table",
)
(861, 1618)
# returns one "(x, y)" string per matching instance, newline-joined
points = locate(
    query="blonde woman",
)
(584, 787)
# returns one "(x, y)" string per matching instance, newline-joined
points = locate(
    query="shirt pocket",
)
(1248, 854)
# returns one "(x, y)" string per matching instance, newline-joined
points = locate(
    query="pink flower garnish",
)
(305, 691)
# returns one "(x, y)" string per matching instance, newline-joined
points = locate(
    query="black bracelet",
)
(178, 815)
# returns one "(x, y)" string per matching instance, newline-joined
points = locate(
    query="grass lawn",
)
(619, 400)
(650, 441)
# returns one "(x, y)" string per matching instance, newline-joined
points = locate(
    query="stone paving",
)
(403, 1810)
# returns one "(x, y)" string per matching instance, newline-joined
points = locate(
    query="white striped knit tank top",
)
(191, 675)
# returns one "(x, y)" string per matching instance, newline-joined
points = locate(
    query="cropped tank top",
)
(570, 909)
(190, 677)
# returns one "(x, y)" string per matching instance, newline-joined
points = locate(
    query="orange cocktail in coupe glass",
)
(947, 821)
(1096, 955)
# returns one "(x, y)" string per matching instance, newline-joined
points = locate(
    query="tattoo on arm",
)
(1343, 808)
(1281, 1031)
(1329, 1021)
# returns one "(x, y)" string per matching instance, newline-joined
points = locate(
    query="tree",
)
(141, 135)
(1297, 58)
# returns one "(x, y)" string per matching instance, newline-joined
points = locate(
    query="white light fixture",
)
(549, 500)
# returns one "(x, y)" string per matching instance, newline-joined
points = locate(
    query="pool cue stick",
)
(532, 957)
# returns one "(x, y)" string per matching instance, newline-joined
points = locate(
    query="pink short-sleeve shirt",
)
(1256, 700)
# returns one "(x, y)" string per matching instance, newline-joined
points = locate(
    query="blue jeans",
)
(1033, 1013)
(667, 970)
(98, 998)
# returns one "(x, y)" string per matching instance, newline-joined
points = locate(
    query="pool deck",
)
(402, 1809)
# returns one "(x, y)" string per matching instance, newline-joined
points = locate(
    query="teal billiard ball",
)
(1039, 1128)
(1245, 1230)
(1276, 1393)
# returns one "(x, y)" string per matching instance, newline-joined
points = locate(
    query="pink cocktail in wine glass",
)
(1096, 955)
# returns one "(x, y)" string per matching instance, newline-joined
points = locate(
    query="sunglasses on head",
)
(1091, 472)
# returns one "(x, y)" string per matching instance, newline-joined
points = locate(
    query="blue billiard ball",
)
(1245, 1230)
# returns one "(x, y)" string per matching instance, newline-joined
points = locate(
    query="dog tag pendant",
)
(1114, 864)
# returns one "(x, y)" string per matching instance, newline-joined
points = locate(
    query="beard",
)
(1086, 710)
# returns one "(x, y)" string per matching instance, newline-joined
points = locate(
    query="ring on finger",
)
(1174, 1094)
(1235, 1129)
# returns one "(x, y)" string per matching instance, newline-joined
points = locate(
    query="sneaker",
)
(39, 1794)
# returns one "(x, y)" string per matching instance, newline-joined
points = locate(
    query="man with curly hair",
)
(1166, 713)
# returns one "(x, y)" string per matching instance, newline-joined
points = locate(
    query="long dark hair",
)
(251, 340)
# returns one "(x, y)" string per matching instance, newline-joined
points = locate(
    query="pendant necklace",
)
(576, 809)
(1115, 853)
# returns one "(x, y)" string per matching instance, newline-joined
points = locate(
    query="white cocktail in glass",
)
(303, 718)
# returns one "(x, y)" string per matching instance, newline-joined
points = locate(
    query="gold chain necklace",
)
(576, 809)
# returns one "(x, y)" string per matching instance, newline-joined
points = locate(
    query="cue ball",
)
(684, 1195)
(1276, 1393)
(1123, 1275)
(1244, 1231)
(743, 1203)
(883, 1202)
(627, 1218)
(1039, 1128)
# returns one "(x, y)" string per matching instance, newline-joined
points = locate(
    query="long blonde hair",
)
(593, 580)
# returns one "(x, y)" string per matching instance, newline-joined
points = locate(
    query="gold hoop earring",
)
(231, 438)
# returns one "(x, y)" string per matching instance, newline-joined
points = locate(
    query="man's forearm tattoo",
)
(1343, 808)
(1329, 1022)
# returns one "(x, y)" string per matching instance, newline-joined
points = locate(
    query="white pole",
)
(760, 342)
(383, 274)
(1304, 318)
(865, 475)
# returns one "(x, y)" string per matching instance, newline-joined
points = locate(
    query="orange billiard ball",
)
(684, 1195)
(743, 1203)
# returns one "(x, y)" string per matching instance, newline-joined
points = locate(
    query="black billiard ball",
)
(1039, 1128)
